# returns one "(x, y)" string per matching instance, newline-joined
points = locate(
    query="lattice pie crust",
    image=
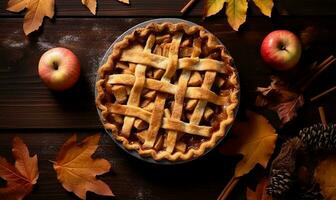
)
(168, 91)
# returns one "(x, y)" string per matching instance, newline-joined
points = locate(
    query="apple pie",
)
(168, 91)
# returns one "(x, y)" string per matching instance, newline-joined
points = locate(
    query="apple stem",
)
(55, 65)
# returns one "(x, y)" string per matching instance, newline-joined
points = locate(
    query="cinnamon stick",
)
(323, 93)
(228, 188)
(321, 67)
(322, 116)
(187, 6)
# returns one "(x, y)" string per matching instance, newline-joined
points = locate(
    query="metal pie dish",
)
(133, 152)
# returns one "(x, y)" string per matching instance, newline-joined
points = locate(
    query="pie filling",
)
(168, 91)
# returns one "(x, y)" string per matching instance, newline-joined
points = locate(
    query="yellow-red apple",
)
(281, 49)
(59, 68)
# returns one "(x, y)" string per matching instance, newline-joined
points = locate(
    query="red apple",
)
(59, 68)
(281, 49)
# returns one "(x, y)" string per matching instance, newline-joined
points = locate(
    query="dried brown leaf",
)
(287, 110)
(279, 98)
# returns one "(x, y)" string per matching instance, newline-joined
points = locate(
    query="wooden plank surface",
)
(45, 119)
(26, 103)
(130, 178)
(161, 8)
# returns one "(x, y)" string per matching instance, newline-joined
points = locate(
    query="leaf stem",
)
(53, 162)
(228, 188)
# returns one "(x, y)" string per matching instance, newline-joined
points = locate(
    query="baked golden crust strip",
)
(197, 115)
(161, 62)
(157, 116)
(152, 84)
(179, 97)
(134, 97)
(167, 123)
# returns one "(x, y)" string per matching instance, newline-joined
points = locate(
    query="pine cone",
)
(319, 138)
(280, 182)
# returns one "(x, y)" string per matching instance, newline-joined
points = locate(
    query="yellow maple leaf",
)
(212, 7)
(37, 10)
(254, 139)
(265, 6)
(236, 9)
(236, 13)
(325, 176)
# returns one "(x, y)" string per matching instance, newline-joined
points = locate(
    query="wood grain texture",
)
(26, 103)
(130, 179)
(156, 8)
(45, 119)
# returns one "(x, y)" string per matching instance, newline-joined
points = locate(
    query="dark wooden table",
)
(45, 119)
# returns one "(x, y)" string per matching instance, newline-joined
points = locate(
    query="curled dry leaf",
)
(287, 110)
(20, 178)
(236, 9)
(279, 98)
(76, 169)
(260, 192)
(309, 35)
(325, 176)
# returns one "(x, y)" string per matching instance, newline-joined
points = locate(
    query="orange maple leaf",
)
(21, 177)
(260, 192)
(76, 169)
(17, 5)
(254, 139)
(92, 4)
